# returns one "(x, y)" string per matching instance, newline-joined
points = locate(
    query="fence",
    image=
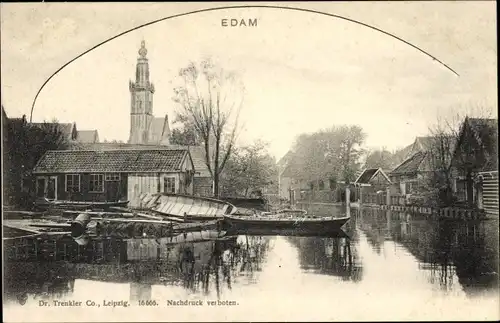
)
(381, 199)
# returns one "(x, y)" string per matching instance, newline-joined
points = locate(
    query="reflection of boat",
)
(255, 231)
(193, 236)
(185, 206)
(290, 222)
(79, 205)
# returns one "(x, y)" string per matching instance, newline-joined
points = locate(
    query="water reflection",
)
(445, 250)
(50, 267)
(377, 253)
(330, 256)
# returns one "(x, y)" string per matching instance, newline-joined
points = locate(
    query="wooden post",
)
(388, 196)
(347, 196)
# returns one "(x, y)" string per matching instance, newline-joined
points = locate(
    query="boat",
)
(287, 212)
(284, 221)
(189, 208)
(77, 205)
(259, 204)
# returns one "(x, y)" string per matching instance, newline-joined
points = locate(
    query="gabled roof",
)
(68, 129)
(366, 176)
(160, 131)
(198, 156)
(485, 132)
(87, 136)
(411, 165)
(127, 161)
(288, 172)
(285, 159)
(197, 152)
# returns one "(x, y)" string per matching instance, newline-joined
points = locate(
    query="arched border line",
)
(235, 7)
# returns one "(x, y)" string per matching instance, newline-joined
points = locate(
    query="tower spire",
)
(141, 110)
(143, 51)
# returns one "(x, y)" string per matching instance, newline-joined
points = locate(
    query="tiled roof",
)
(87, 136)
(127, 161)
(367, 174)
(411, 165)
(197, 152)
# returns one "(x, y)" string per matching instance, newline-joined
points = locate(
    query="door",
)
(52, 188)
(40, 187)
(113, 191)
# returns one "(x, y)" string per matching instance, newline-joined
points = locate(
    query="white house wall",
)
(147, 183)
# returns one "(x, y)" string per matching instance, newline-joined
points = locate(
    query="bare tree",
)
(445, 162)
(210, 101)
(440, 149)
(379, 158)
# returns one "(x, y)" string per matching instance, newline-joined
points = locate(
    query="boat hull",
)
(78, 205)
(185, 206)
(297, 225)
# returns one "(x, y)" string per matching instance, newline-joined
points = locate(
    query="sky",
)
(302, 71)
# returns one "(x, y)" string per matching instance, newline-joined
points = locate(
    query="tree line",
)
(23, 145)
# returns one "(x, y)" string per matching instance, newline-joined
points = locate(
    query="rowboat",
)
(259, 204)
(185, 206)
(285, 222)
(78, 205)
(287, 212)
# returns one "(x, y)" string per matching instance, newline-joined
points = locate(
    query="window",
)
(96, 183)
(333, 184)
(169, 185)
(73, 183)
(112, 177)
(321, 185)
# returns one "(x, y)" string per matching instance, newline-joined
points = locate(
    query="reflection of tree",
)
(198, 266)
(442, 247)
(39, 280)
(331, 256)
(374, 224)
(229, 259)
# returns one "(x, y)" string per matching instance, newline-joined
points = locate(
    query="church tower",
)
(141, 105)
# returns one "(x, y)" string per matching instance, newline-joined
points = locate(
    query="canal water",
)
(383, 266)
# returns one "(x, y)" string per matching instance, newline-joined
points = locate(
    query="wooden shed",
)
(112, 175)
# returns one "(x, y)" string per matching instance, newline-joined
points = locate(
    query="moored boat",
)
(185, 206)
(285, 222)
(78, 205)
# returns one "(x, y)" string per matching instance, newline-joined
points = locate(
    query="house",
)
(202, 183)
(112, 175)
(488, 192)
(412, 175)
(476, 154)
(87, 136)
(284, 175)
(375, 178)
(68, 130)
(370, 180)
